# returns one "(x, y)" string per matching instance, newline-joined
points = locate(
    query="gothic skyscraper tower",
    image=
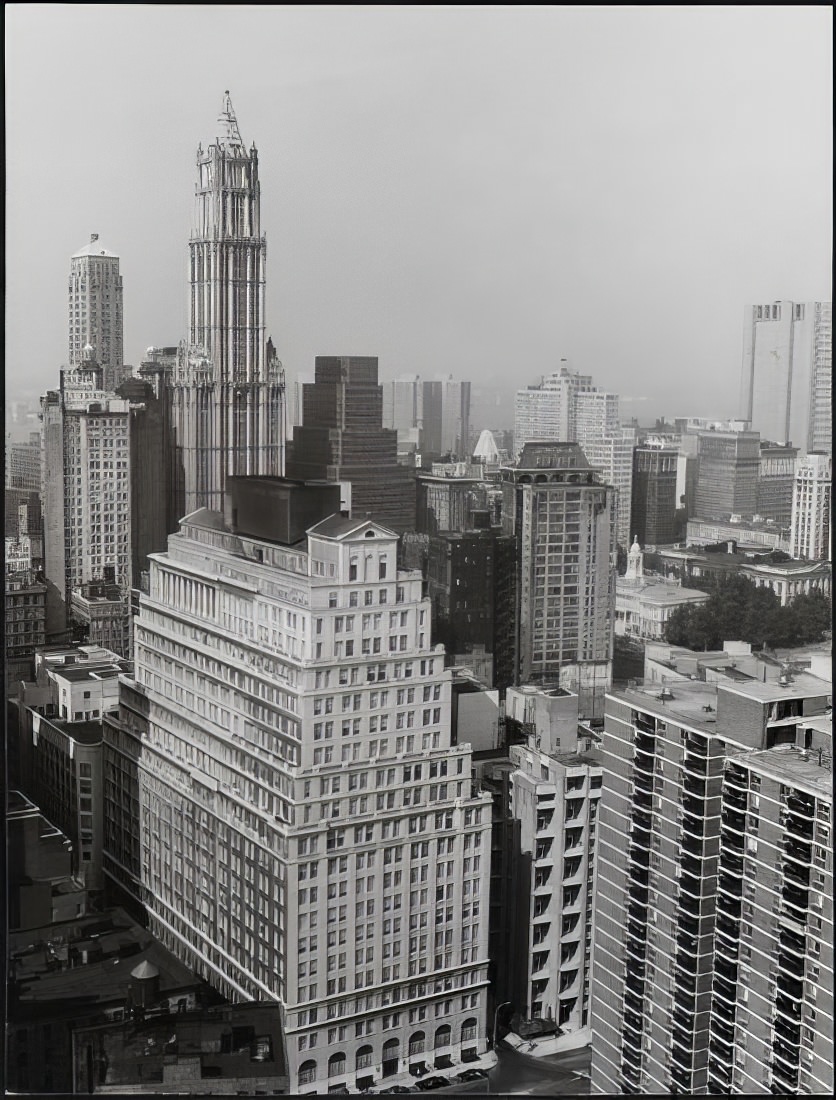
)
(226, 385)
(228, 254)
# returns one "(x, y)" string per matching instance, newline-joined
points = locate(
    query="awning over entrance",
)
(444, 1061)
(470, 1055)
(418, 1069)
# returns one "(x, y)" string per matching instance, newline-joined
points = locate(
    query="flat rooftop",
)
(228, 1042)
(76, 673)
(685, 701)
(792, 767)
(83, 733)
(115, 944)
(802, 685)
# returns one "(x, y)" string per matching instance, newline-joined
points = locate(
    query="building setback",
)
(307, 832)
(341, 439)
(659, 984)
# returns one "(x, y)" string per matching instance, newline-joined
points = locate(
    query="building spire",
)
(230, 135)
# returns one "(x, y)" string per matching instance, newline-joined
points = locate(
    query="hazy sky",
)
(475, 191)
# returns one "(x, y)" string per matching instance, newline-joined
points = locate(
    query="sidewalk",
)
(485, 1061)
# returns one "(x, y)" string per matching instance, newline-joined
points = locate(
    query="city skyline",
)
(387, 166)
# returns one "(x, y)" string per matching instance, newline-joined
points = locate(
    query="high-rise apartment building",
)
(306, 833)
(342, 439)
(226, 388)
(561, 515)
(786, 379)
(547, 411)
(653, 494)
(776, 478)
(697, 874)
(727, 474)
(810, 530)
(770, 1028)
(555, 789)
(95, 310)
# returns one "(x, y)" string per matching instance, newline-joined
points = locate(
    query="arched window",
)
(391, 1057)
(442, 1036)
(469, 1029)
(336, 1064)
(307, 1072)
(417, 1043)
(365, 1057)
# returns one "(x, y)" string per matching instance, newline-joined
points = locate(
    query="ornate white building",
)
(307, 832)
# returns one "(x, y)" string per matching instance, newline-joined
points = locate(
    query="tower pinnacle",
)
(230, 135)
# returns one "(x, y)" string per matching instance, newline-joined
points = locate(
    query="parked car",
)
(396, 1088)
(474, 1074)
(433, 1083)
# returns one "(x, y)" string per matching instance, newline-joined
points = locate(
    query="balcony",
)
(640, 875)
(692, 844)
(729, 885)
(799, 827)
(793, 987)
(681, 1057)
(695, 786)
(797, 898)
(723, 1031)
(729, 929)
(642, 783)
(788, 1006)
(691, 865)
(640, 856)
(791, 964)
(633, 1001)
(643, 800)
(726, 970)
(788, 1033)
(797, 875)
(693, 825)
(642, 821)
(793, 941)
(635, 984)
(735, 800)
(798, 849)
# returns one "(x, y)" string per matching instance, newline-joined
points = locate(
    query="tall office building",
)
(776, 478)
(727, 474)
(307, 832)
(608, 448)
(455, 418)
(698, 878)
(227, 386)
(23, 464)
(103, 469)
(413, 403)
(810, 530)
(547, 411)
(342, 439)
(786, 380)
(653, 496)
(95, 310)
(561, 515)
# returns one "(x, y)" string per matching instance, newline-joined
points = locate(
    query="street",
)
(521, 1075)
